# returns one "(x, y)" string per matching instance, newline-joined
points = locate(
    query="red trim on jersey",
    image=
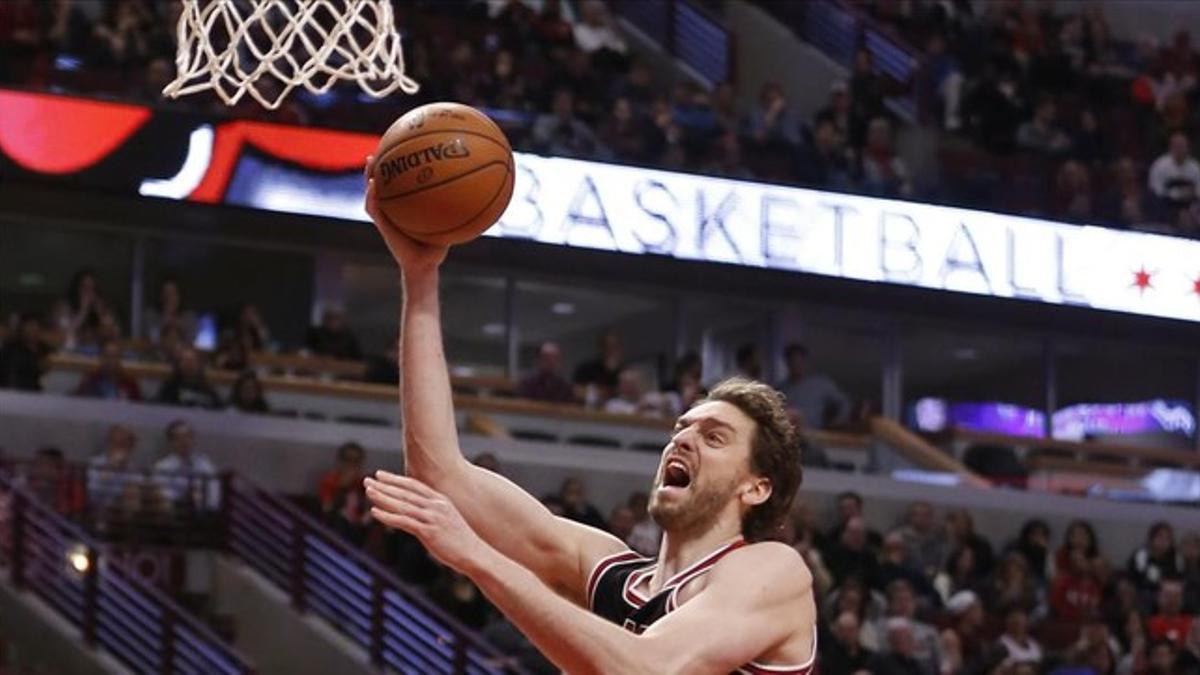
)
(603, 564)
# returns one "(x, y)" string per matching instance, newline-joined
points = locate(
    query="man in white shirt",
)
(596, 31)
(184, 476)
(1175, 176)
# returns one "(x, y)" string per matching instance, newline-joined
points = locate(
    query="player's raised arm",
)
(558, 551)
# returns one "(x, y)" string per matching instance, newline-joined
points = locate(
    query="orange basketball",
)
(443, 173)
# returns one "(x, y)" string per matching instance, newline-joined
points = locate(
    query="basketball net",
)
(267, 48)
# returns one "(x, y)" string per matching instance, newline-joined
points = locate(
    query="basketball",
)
(443, 173)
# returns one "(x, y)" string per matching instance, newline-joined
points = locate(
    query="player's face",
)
(703, 467)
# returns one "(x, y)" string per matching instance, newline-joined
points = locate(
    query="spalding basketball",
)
(443, 173)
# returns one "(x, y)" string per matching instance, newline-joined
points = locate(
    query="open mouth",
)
(676, 474)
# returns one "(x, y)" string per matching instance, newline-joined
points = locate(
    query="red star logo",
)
(1196, 286)
(1141, 279)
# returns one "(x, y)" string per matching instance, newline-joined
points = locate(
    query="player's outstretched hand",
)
(410, 254)
(408, 504)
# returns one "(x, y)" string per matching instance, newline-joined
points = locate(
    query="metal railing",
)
(139, 625)
(686, 31)
(328, 577)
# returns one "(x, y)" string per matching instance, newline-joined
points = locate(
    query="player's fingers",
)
(417, 487)
(395, 501)
(399, 522)
(367, 166)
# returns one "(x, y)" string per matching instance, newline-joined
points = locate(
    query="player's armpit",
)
(753, 601)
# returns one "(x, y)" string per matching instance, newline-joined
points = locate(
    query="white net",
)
(267, 48)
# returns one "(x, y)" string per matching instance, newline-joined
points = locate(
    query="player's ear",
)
(756, 491)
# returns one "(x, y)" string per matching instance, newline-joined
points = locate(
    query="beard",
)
(695, 511)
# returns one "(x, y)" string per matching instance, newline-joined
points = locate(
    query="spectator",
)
(597, 31)
(816, 397)
(22, 358)
(836, 114)
(547, 382)
(801, 533)
(850, 505)
(771, 121)
(1079, 538)
(1018, 644)
(553, 31)
(902, 604)
(685, 388)
(645, 535)
(824, 164)
(1033, 543)
(962, 642)
(81, 318)
(620, 522)
(573, 496)
(1169, 622)
(343, 497)
(1012, 586)
(850, 555)
(246, 394)
(169, 310)
(894, 563)
(867, 91)
(52, 483)
(883, 172)
(109, 474)
(961, 573)
(1161, 659)
(993, 112)
(1073, 193)
(187, 478)
(944, 79)
(625, 132)
(231, 353)
(1175, 176)
(845, 654)
(900, 655)
(748, 361)
(1075, 593)
(561, 132)
(1089, 143)
(333, 338)
(960, 532)
(108, 380)
(252, 331)
(600, 374)
(188, 384)
(925, 542)
(1157, 560)
(631, 397)
(385, 368)
(1040, 134)
(1125, 204)
(728, 160)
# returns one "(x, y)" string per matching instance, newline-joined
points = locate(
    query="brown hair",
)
(774, 452)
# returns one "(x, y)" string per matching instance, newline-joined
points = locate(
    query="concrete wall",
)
(42, 641)
(275, 638)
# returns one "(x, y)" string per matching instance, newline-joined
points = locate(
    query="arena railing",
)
(138, 624)
(686, 31)
(326, 576)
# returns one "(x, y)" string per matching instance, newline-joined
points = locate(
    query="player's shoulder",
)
(768, 560)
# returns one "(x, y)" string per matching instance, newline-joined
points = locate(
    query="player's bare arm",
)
(756, 601)
(558, 551)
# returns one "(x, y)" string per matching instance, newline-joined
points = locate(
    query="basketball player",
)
(718, 598)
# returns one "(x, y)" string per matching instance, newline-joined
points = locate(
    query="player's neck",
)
(681, 550)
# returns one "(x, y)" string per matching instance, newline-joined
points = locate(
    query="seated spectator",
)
(561, 132)
(1018, 644)
(187, 478)
(727, 160)
(246, 394)
(343, 497)
(110, 473)
(845, 655)
(575, 505)
(547, 382)
(894, 563)
(385, 368)
(22, 358)
(825, 163)
(1012, 586)
(926, 542)
(1072, 197)
(170, 341)
(1169, 622)
(252, 331)
(850, 505)
(169, 310)
(1157, 559)
(685, 387)
(632, 398)
(108, 380)
(962, 641)
(53, 484)
(771, 121)
(188, 384)
(816, 397)
(1040, 134)
(850, 555)
(1125, 204)
(231, 352)
(1033, 543)
(882, 171)
(961, 573)
(1079, 538)
(1175, 176)
(600, 374)
(899, 657)
(926, 644)
(625, 132)
(552, 30)
(835, 114)
(597, 31)
(868, 90)
(333, 338)
(1075, 592)
(960, 532)
(645, 535)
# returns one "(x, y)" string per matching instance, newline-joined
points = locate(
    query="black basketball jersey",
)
(612, 594)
